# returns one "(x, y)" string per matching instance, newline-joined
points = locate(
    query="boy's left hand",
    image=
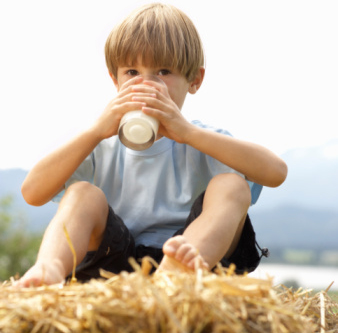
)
(162, 107)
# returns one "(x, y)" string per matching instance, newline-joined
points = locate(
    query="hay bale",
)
(163, 302)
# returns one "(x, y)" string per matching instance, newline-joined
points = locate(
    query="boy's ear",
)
(114, 80)
(197, 81)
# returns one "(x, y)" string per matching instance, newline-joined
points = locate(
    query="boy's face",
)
(177, 84)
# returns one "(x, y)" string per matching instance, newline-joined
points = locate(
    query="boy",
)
(183, 201)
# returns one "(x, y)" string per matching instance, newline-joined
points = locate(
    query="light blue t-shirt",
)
(152, 190)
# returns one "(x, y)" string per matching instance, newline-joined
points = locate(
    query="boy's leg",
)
(84, 210)
(215, 233)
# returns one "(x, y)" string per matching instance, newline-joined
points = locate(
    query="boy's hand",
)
(108, 123)
(162, 107)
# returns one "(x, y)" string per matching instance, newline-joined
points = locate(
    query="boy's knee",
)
(82, 187)
(233, 186)
(87, 198)
(85, 191)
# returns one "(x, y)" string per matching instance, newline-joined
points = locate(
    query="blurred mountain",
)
(296, 227)
(312, 180)
(302, 213)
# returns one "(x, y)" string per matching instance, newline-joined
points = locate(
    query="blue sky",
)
(271, 71)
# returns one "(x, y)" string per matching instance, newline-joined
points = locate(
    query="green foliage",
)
(18, 246)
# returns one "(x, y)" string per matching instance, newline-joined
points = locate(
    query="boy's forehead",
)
(146, 60)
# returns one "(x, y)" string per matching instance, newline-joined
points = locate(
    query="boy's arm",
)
(48, 177)
(257, 163)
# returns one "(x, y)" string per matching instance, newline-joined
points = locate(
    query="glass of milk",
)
(137, 130)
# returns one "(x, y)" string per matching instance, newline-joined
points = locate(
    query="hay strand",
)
(69, 241)
(329, 287)
(322, 312)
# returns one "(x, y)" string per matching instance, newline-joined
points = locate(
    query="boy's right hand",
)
(108, 123)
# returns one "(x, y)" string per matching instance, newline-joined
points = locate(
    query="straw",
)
(165, 302)
(73, 279)
(322, 313)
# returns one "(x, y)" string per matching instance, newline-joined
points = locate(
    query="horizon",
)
(328, 150)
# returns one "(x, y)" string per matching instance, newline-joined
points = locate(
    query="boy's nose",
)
(152, 77)
(148, 73)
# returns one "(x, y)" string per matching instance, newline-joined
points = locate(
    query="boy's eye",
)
(163, 72)
(132, 72)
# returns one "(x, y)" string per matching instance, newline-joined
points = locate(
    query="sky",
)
(271, 71)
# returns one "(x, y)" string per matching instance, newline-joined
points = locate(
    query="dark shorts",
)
(118, 246)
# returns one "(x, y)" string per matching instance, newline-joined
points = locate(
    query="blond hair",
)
(161, 35)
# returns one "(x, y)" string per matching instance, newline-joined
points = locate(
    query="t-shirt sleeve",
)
(256, 190)
(85, 172)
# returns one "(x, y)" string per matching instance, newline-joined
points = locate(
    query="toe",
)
(183, 251)
(171, 246)
(186, 253)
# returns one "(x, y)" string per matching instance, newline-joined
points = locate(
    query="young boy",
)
(183, 201)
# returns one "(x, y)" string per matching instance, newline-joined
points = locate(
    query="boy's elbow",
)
(29, 194)
(280, 174)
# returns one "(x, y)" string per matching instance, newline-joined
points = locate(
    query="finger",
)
(160, 112)
(154, 100)
(159, 86)
(132, 90)
(134, 81)
(143, 96)
(134, 84)
(127, 98)
(143, 88)
(130, 106)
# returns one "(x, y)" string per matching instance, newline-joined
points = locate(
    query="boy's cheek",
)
(115, 81)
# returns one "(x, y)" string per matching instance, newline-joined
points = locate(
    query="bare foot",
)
(42, 274)
(181, 256)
